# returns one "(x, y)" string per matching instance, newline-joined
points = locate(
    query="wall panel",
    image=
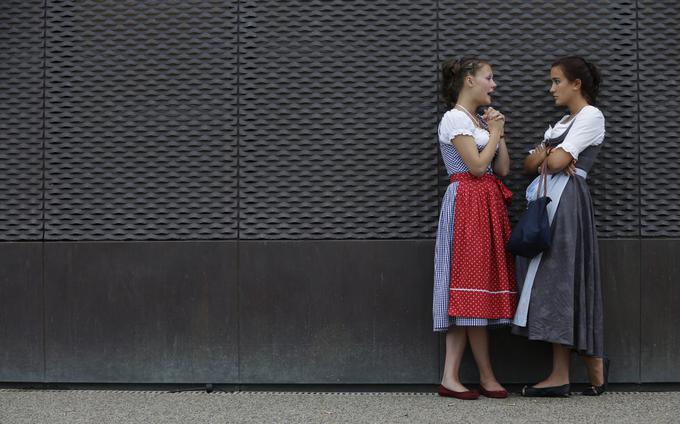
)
(141, 120)
(337, 119)
(21, 119)
(659, 110)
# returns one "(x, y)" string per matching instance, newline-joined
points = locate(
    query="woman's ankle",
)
(595, 368)
(454, 385)
(553, 381)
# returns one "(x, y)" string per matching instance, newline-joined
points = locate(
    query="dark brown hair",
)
(576, 67)
(454, 72)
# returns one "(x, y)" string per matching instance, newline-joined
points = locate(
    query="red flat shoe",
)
(466, 395)
(495, 394)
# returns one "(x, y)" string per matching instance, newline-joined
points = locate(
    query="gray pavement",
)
(109, 406)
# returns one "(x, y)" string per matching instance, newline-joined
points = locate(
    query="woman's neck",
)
(576, 106)
(468, 104)
(470, 109)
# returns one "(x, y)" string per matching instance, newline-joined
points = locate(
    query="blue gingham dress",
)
(453, 123)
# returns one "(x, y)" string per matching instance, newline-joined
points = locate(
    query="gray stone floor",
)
(110, 406)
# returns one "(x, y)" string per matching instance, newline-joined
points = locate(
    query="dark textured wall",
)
(141, 110)
(247, 191)
(21, 120)
(336, 119)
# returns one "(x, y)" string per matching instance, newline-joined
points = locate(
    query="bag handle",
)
(543, 181)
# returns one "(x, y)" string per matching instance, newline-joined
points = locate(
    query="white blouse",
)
(588, 130)
(456, 122)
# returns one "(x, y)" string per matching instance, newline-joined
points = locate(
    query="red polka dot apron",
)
(482, 271)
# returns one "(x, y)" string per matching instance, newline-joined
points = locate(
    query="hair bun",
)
(595, 74)
(456, 66)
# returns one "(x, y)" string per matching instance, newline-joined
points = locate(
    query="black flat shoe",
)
(598, 390)
(555, 391)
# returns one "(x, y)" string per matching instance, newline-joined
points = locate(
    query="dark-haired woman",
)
(474, 285)
(561, 297)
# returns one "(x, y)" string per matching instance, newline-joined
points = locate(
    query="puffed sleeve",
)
(587, 130)
(454, 123)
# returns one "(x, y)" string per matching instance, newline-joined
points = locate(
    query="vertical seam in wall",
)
(238, 119)
(238, 191)
(439, 162)
(437, 106)
(639, 193)
(42, 191)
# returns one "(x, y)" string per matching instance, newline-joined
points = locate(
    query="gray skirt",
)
(566, 300)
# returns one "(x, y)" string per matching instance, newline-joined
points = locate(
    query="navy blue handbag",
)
(531, 234)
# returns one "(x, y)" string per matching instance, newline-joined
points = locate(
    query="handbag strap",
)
(550, 143)
(543, 180)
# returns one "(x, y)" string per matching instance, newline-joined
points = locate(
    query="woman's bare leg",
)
(479, 342)
(560, 370)
(456, 339)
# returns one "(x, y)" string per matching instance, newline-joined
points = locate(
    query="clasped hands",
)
(495, 120)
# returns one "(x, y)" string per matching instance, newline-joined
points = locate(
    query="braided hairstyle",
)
(576, 67)
(454, 72)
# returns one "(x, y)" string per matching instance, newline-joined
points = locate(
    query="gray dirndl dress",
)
(564, 304)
